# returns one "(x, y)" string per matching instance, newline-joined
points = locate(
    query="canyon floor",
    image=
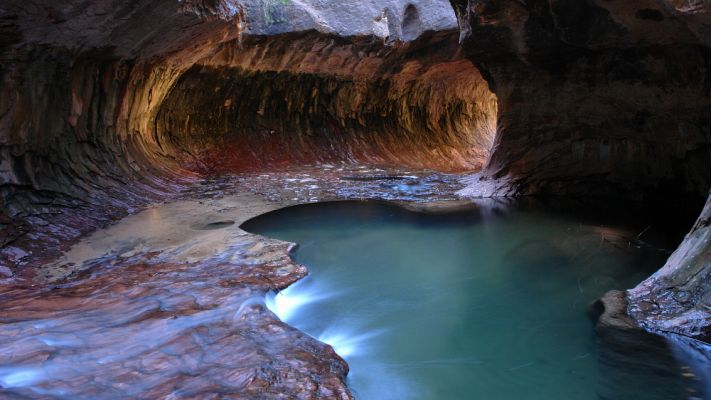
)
(170, 300)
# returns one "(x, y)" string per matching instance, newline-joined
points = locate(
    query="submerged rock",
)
(632, 360)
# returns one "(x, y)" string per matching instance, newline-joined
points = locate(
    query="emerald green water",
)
(471, 305)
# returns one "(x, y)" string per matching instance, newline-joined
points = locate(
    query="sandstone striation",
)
(107, 107)
(308, 97)
(93, 97)
(94, 109)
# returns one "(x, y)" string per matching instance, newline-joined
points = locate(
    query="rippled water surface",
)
(476, 304)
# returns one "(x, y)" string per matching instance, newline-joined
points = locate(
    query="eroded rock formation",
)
(176, 322)
(677, 298)
(309, 97)
(604, 98)
(80, 87)
(106, 108)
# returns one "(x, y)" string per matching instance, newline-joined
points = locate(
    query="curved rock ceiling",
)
(90, 90)
(419, 105)
(107, 106)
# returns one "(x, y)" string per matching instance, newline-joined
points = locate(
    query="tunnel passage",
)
(110, 130)
(269, 102)
(595, 97)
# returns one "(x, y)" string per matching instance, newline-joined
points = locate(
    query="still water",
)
(469, 305)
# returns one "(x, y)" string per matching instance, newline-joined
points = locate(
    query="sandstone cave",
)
(378, 199)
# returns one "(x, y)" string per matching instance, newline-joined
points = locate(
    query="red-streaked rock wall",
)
(90, 130)
(308, 97)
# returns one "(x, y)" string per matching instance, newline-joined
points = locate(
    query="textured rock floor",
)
(169, 302)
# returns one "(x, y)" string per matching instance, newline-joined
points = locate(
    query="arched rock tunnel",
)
(310, 97)
(106, 108)
(128, 121)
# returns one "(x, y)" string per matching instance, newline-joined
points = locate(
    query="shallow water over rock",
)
(475, 304)
(169, 303)
(152, 309)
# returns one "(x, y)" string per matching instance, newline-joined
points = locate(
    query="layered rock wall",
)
(309, 97)
(82, 85)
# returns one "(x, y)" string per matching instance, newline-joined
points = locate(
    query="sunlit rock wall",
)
(79, 87)
(82, 84)
(310, 97)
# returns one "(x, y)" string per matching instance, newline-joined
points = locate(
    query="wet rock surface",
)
(624, 347)
(349, 182)
(677, 299)
(147, 327)
(151, 307)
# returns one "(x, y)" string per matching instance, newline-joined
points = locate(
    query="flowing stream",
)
(470, 305)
